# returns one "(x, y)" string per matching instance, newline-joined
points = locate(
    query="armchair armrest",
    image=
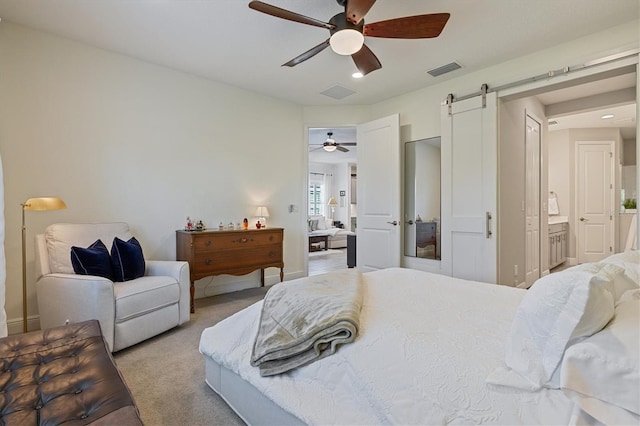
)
(76, 298)
(180, 271)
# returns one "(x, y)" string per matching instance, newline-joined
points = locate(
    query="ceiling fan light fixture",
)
(346, 42)
(329, 148)
(357, 74)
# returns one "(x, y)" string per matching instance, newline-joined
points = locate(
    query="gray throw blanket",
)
(306, 319)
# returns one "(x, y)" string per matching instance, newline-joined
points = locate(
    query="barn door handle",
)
(488, 232)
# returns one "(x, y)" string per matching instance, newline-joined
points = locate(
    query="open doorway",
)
(589, 124)
(601, 108)
(332, 204)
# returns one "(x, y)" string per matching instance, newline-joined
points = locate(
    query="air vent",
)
(444, 69)
(552, 122)
(338, 92)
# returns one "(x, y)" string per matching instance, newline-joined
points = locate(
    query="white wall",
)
(124, 140)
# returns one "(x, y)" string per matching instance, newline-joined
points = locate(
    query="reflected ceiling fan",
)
(331, 145)
(348, 30)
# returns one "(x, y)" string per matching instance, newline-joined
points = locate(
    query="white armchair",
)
(129, 312)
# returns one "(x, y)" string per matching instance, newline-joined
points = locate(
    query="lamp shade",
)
(262, 211)
(44, 203)
(346, 42)
(333, 202)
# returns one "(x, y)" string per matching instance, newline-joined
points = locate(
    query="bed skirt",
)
(253, 407)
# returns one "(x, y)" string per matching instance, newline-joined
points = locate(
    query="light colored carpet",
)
(166, 373)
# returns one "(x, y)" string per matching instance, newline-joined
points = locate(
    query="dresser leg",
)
(262, 277)
(281, 274)
(192, 290)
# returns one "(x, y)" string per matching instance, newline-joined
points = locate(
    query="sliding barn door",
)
(469, 188)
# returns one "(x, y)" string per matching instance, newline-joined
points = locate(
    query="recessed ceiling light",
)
(607, 116)
(357, 74)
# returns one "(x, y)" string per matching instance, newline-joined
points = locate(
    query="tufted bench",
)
(62, 375)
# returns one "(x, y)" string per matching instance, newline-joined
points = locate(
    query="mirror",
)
(422, 198)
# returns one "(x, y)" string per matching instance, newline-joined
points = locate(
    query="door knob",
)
(410, 222)
(394, 223)
(582, 219)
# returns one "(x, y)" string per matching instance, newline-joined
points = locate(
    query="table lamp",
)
(332, 203)
(262, 213)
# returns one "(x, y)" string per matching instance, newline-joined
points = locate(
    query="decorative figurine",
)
(220, 227)
(189, 226)
(258, 225)
(199, 226)
(245, 224)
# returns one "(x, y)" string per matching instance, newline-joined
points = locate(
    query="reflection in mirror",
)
(422, 198)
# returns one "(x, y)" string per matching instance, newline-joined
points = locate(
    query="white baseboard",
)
(14, 326)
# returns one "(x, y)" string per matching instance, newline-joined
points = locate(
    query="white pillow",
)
(602, 373)
(558, 309)
(630, 262)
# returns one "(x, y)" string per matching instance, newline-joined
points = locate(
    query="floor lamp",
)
(39, 204)
(332, 203)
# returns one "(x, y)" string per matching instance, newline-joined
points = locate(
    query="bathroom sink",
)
(558, 219)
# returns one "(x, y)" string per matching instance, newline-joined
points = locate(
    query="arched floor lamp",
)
(39, 204)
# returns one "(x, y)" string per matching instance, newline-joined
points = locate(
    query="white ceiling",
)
(226, 41)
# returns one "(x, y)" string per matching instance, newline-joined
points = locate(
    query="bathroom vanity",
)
(558, 240)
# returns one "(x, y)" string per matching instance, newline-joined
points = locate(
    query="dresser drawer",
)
(214, 262)
(223, 241)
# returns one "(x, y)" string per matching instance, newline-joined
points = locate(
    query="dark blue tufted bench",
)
(62, 375)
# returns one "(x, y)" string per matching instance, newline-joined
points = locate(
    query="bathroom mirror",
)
(422, 198)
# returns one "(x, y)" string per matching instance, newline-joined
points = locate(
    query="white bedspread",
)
(426, 344)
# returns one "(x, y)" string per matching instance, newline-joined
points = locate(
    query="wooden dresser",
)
(212, 253)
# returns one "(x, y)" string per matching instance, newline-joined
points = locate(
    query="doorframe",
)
(612, 196)
(305, 189)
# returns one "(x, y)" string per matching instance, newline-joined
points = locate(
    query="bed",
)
(427, 347)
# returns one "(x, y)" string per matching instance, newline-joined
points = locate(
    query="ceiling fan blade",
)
(356, 9)
(418, 26)
(365, 60)
(288, 15)
(341, 148)
(308, 54)
(348, 143)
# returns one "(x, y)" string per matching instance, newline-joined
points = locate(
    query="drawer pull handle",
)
(208, 243)
(243, 240)
(208, 262)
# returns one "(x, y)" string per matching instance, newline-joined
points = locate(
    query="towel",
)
(553, 206)
(306, 319)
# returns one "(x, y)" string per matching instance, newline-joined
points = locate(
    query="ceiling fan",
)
(330, 145)
(348, 30)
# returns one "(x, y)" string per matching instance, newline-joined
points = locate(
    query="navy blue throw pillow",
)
(127, 259)
(93, 260)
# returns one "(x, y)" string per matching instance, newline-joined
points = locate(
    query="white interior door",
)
(469, 188)
(378, 191)
(595, 200)
(532, 201)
